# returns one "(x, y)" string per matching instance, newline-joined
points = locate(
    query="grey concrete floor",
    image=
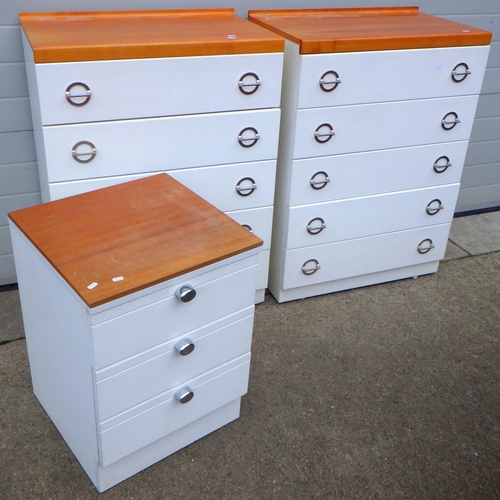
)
(384, 392)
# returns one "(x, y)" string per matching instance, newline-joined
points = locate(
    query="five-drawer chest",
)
(377, 109)
(138, 303)
(123, 94)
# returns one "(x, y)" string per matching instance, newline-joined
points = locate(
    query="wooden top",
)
(145, 231)
(350, 30)
(95, 36)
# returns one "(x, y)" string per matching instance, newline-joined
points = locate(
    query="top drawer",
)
(140, 88)
(392, 75)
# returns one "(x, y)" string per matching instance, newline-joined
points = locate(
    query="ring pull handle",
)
(249, 87)
(248, 227)
(329, 81)
(185, 293)
(82, 95)
(433, 207)
(439, 167)
(81, 154)
(316, 225)
(248, 190)
(184, 395)
(184, 347)
(450, 121)
(460, 72)
(248, 142)
(308, 270)
(425, 246)
(319, 184)
(321, 136)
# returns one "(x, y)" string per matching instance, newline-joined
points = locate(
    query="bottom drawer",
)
(344, 259)
(211, 391)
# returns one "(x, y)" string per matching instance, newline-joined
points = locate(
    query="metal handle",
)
(249, 88)
(246, 191)
(322, 138)
(440, 168)
(446, 124)
(244, 140)
(86, 95)
(185, 293)
(77, 156)
(319, 184)
(314, 229)
(184, 347)
(247, 227)
(330, 85)
(184, 395)
(425, 246)
(433, 210)
(460, 72)
(308, 270)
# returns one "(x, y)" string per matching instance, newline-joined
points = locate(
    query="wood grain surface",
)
(364, 29)
(92, 36)
(146, 231)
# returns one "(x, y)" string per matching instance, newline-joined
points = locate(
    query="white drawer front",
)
(158, 322)
(368, 127)
(257, 220)
(158, 144)
(361, 256)
(373, 172)
(158, 87)
(211, 391)
(390, 75)
(370, 215)
(167, 368)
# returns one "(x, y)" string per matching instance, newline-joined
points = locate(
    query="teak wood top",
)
(145, 231)
(108, 35)
(364, 29)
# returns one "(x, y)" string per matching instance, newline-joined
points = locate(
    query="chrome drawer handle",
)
(440, 168)
(310, 270)
(448, 125)
(324, 137)
(89, 155)
(313, 229)
(316, 184)
(246, 191)
(184, 347)
(86, 95)
(460, 72)
(248, 228)
(330, 85)
(185, 293)
(184, 395)
(432, 209)
(249, 88)
(425, 246)
(252, 140)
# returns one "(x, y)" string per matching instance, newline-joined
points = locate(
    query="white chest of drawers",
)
(377, 109)
(138, 313)
(194, 93)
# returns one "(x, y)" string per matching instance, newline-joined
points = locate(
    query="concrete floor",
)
(385, 392)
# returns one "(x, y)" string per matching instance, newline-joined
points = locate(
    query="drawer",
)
(211, 391)
(144, 324)
(373, 172)
(139, 88)
(158, 144)
(166, 368)
(257, 220)
(390, 75)
(370, 215)
(366, 127)
(382, 252)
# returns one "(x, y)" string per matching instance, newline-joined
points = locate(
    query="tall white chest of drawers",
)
(120, 95)
(377, 110)
(138, 312)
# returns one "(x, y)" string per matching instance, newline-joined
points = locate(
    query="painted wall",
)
(19, 185)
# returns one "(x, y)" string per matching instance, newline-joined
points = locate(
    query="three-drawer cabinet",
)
(195, 93)
(138, 313)
(377, 110)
